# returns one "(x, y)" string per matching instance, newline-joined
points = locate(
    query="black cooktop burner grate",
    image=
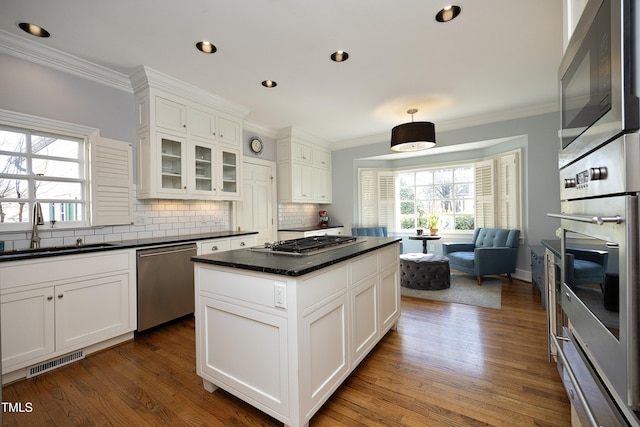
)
(310, 244)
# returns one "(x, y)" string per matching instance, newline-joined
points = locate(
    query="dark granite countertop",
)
(22, 254)
(309, 228)
(287, 265)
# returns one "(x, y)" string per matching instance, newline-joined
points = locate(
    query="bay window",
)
(483, 193)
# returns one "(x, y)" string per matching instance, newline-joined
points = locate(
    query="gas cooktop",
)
(306, 245)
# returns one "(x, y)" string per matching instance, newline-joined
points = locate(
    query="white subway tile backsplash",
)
(293, 215)
(162, 218)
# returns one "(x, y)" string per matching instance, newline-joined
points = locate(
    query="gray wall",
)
(44, 92)
(536, 136)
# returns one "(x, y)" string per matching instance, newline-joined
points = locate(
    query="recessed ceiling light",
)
(206, 47)
(33, 29)
(448, 13)
(340, 56)
(269, 83)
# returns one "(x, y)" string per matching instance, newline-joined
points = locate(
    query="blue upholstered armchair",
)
(491, 251)
(370, 231)
(585, 266)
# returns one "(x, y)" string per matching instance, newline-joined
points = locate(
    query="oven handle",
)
(590, 219)
(585, 405)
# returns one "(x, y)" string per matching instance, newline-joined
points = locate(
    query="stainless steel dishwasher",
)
(165, 284)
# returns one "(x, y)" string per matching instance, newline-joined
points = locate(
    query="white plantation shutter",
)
(509, 194)
(111, 174)
(485, 202)
(368, 198)
(386, 199)
(377, 198)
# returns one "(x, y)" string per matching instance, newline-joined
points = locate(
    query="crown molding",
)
(258, 129)
(146, 78)
(49, 57)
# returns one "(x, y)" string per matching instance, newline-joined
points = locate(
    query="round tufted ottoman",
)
(424, 271)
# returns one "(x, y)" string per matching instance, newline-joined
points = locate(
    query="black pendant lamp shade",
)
(414, 136)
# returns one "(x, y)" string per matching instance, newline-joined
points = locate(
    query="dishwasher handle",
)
(142, 254)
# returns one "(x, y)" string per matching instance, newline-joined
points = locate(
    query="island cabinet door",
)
(244, 351)
(364, 319)
(389, 311)
(389, 297)
(364, 324)
(324, 358)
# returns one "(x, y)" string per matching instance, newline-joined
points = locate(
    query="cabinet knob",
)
(49, 298)
(214, 248)
(241, 243)
(184, 126)
(185, 187)
(60, 295)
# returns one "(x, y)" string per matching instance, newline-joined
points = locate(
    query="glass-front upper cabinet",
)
(230, 172)
(203, 160)
(172, 164)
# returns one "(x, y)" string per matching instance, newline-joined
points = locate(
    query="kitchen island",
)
(282, 332)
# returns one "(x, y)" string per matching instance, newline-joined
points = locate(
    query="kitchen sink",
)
(51, 250)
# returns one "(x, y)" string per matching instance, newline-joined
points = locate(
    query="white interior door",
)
(256, 211)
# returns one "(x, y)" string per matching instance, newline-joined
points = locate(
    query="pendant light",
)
(414, 136)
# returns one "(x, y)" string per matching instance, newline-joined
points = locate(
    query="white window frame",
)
(497, 191)
(38, 124)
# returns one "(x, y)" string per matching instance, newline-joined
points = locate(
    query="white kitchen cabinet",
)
(35, 338)
(187, 147)
(304, 172)
(301, 183)
(90, 310)
(171, 115)
(81, 302)
(230, 130)
(224, 244)
(322, 185)
(285, 344)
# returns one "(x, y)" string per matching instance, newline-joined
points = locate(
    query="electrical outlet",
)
(432, 247)
(280, 295)
(139, 219)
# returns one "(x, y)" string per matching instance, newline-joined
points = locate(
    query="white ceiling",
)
(498, 58)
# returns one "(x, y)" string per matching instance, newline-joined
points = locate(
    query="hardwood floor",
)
(446, 365)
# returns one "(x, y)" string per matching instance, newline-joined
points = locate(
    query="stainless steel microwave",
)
(597, 79)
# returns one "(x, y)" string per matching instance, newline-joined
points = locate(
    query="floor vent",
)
(54, 363)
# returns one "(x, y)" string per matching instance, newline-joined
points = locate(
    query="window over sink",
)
(47, 167)
(79, 177)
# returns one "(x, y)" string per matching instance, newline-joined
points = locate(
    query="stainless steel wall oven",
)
(600, 257)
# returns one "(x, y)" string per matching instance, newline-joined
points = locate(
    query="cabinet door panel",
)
(301, 182)
(92, 310)
(203, 166)
(229, 173)
(173, 164)
(324, 355)
(202, 124)
(229, 131)
(255, 365)
(171, 115)
(27, 326)
(389, 298)
(301, 153)
(364, 321)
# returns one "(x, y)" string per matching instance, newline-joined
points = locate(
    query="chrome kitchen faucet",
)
(36, 220)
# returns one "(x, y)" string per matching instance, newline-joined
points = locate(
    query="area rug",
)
(464, 290)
